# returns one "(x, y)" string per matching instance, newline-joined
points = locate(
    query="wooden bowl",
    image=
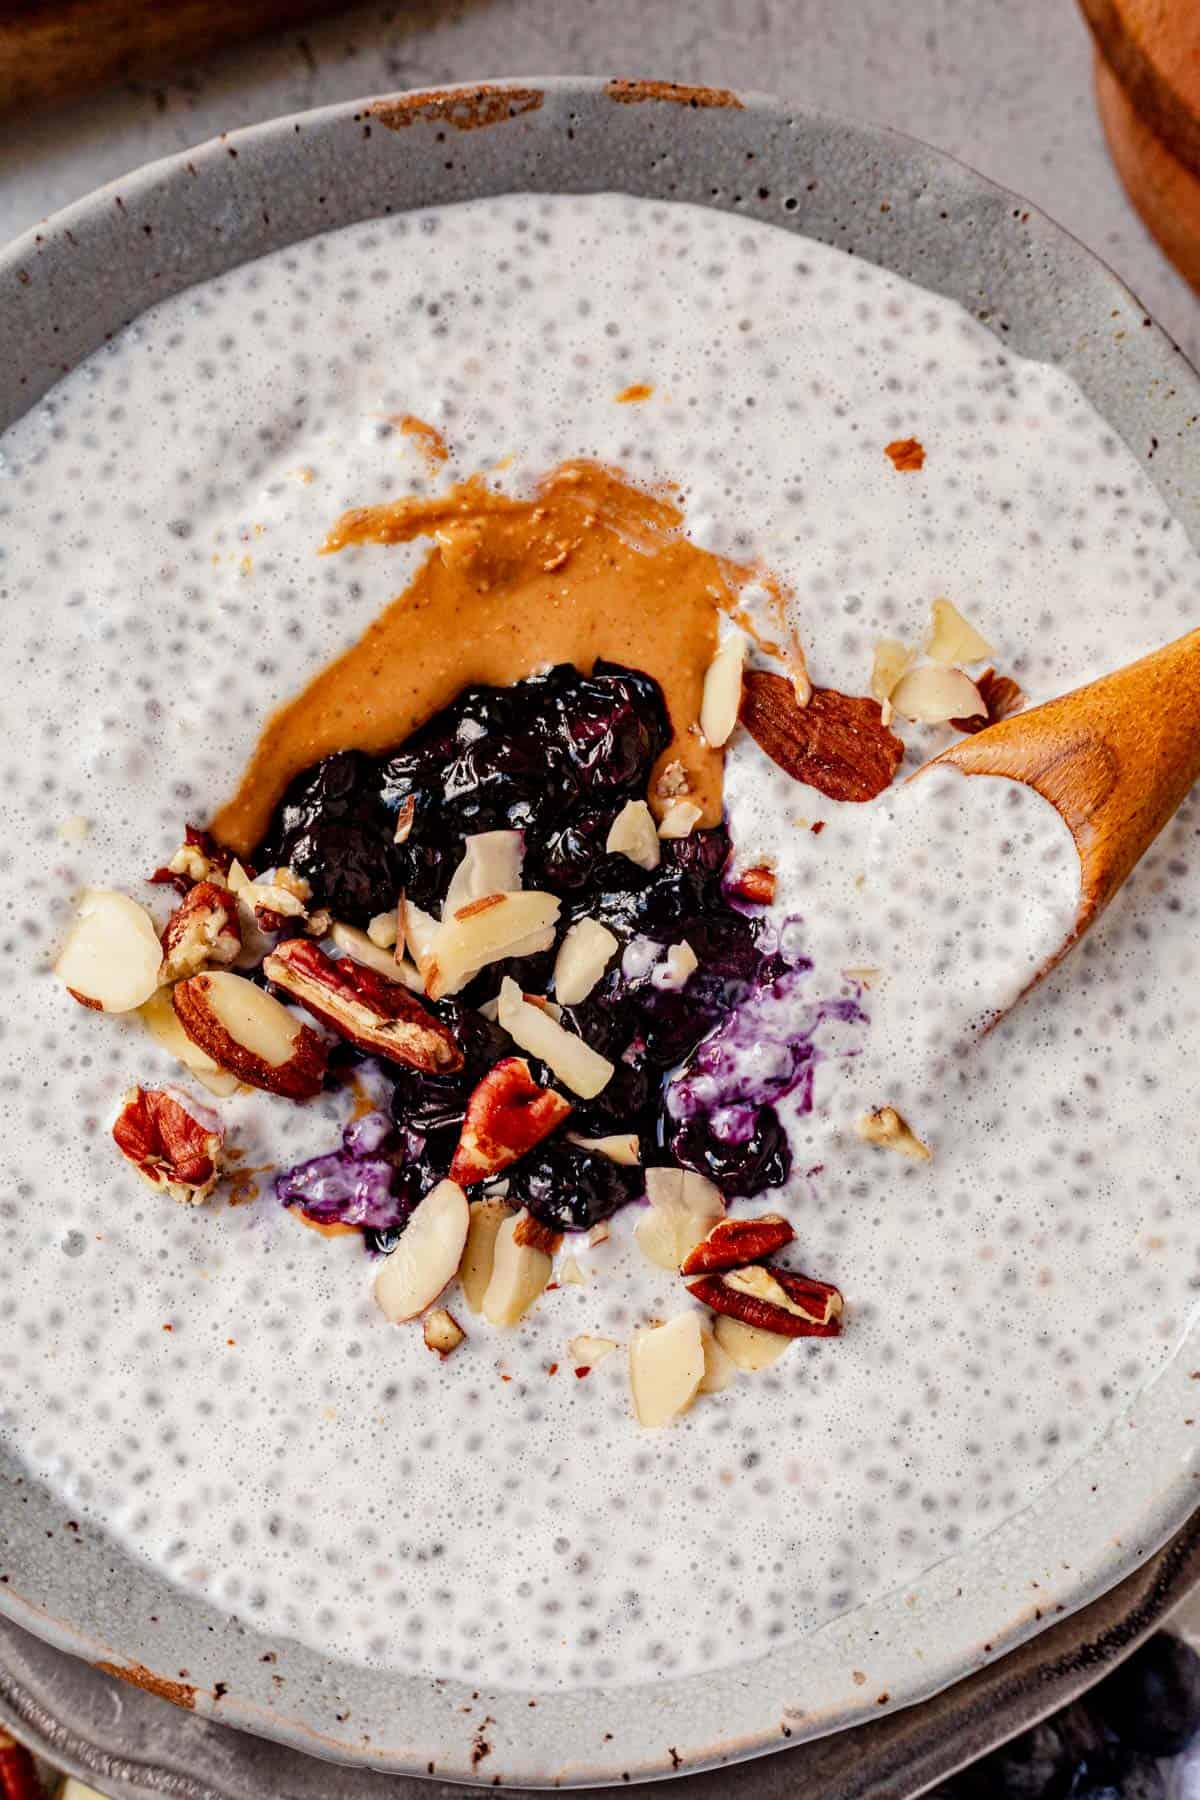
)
(1148, 91)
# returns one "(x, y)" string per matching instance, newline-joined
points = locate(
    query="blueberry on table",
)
(1152, 1701)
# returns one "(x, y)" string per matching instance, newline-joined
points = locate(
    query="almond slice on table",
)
(475, 1269)
(158, 1016)
(634, 834)
(427, 1255)
(888, 1131)
(619, 1147)
(666, 1367)
(932, 695)
(747, 1346)
(773, 1299)
(679, 819)
(576, 1064)
(838, 743)
(723, 690)
(507, 1114)
(583, 956)
(377, 1014)
(442, 1331)
(111, 958)
(174, 1145)
(364, 949)
(491, 864)
(733, 1242)
(485, 931)
(520, 1272)
(950, 639)
(204, 928)
(683, 1207)
(248, 1032)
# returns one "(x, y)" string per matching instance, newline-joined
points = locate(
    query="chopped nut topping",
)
(950, 639)
(575, 1063)
(587, 1351)
(932, 696)
(679, 819)
(427, 1255)
(520, 1272)
(666, 1367)
(172, 1145)
(887, 1129)
(672, 782)
(442, 1331)
(583, 956)
(620, 1147)
(634, 834)
(723, 690)
(383, 929)
(110, 960)
(905, 454)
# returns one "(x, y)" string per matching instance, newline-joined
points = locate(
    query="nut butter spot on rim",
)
(466, 109)
(631, 92)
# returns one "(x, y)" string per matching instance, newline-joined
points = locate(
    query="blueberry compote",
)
(556, 757)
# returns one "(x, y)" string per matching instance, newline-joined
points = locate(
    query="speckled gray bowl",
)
(63, 289)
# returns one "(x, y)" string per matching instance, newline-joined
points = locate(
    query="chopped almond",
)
(679, 964)
(683, 1208)
(575, 1063)
(634, 834)
(383, 929)
(933, 695)
(718, 1364)
(620, 1147)
(885, 1128)
(111, 957)
(364, 949)
(520, 1272)
(442, 1331)
(890, 664)
(491, 864)
(747, 1346)
(475, 1269)
(583, 956)
(427, 1255)
(723, 690)
(487, 931)
(158, 1016)
(587, 1351)
(666, 1367)
(679, 819)
(951, 639)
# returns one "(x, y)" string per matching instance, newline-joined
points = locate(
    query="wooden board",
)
(50, 49)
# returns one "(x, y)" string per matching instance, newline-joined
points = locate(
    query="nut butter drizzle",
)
(590, 566)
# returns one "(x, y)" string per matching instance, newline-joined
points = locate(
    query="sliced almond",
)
(111, 957)
(570, 1274)
(475, 1270)
(620, 1147)
(683, 1208)
(747, 1346)
(383, 929)
(932, 695)
(247, 1031)
(718, 1364)
(634, 834)
(676, 967)
(951, 639)
(416, 931)
(666, 1367)
(491, 864)
(583, 956)
(442, 1331)
(363, 949)
(427, 1255)
(587, 1351)
(520, 1272)
(158, 1016)
(723, 690)
(487, 930)
(889, 665)
(404, 820)
(885, 1128)
(679, 819)
(575, 1063)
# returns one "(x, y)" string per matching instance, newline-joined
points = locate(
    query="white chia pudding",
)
(215, 1385)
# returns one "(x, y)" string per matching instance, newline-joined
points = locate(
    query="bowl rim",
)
(966, 1610)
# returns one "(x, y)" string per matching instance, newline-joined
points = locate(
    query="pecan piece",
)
(733, 1242)
(247, 1032)
(378, 1015)
(172, 1146)
(773, 1299)
(198, 858)
(203, 929)
(905, 454)
(838, 743)
(756, 884)
(1002, 697)
(507, 1114)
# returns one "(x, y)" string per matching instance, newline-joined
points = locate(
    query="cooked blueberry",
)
(1153, 1700)
(1035, 1766)
(742, 1166)
(332, 828)
(573, 854)
(1116, 1772)
(571, 1189)
(615, 727)
(623, 1104)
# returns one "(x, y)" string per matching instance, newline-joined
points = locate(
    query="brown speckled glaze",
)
(77, 280)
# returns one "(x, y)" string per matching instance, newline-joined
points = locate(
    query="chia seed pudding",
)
(216, 1385)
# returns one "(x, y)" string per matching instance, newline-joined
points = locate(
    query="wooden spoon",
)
(1115, 759)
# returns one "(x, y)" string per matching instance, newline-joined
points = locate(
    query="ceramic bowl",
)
(79, 278)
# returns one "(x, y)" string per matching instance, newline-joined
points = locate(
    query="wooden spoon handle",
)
(1115, 758)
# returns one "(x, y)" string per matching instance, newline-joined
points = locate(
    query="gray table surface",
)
(1004, 84)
